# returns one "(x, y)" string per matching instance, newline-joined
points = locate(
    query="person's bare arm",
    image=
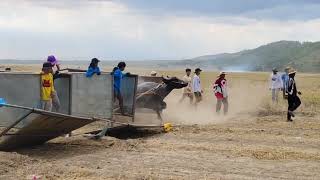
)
(58, 67)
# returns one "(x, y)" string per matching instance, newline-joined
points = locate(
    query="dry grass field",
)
(253, 142)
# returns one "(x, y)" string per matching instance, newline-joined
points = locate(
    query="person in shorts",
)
(47, 87)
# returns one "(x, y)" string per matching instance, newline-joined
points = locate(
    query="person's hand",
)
(299, 93)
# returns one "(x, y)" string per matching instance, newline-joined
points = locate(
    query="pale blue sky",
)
(150, 29)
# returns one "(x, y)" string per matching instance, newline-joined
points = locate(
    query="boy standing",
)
(47, 87)
(196, 86)
(118, 76)
(187, 91)
(221, 93)
(275, 84)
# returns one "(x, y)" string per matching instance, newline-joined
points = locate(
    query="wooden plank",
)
(42, 128)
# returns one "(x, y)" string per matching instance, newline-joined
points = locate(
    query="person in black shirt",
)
(293, 99)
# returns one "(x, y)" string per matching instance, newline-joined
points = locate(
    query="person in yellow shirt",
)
(47, 87)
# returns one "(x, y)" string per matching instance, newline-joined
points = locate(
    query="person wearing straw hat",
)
(221, 93)
(275, 84)
(153, 73)
(196, 86)
(293, 99)
(285, 80)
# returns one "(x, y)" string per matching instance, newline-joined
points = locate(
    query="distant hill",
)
(303, 56)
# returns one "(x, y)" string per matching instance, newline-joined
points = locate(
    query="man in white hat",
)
(276, 84)
(293, 99)
(221, 93)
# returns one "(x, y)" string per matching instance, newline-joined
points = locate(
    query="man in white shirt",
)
(196, 86)
(276, 84)
(187, 91)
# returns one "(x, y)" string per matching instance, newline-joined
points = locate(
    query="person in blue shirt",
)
(117, 78)
(93, 68)
(285, 81)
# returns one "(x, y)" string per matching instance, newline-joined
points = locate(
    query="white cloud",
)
(108, 29)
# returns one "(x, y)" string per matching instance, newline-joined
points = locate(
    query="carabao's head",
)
(174, 83)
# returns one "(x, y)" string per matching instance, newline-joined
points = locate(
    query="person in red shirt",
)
(221, 93)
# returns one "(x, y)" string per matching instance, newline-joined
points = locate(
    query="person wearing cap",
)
(276, 84)
(285, 80)
(187, 91)
(196, 86)
(293, 99)
(54, 62)
(221, 93)
(153, 73)
(118, 76)
(55, 72)
(47, 86)
(93, 68)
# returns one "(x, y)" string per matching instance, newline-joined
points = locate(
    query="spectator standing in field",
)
(93, 68)
(285, 81)
(47, 87)
(187, 91)
(293, 99)
(56, 68)
(196, 86)
(221, 92)
(276, 84)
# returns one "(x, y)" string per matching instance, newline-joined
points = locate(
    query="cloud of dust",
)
(245, 97)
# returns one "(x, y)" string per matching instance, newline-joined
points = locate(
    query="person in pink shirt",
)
(221, 93)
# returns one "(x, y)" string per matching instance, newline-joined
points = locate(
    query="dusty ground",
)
(266, 147)
(253, 142)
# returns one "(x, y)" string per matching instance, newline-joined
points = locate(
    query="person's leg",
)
(290, 107)
(47, 105)
(273, 91)
(190, 98)
(119, 96)
(277, 95)
(183, 97)
(56, 102)
(218, 105)
(225, 106)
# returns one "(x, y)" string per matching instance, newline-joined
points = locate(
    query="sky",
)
(150, 29)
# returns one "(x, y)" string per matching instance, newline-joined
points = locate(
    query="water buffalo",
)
(150, 95)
